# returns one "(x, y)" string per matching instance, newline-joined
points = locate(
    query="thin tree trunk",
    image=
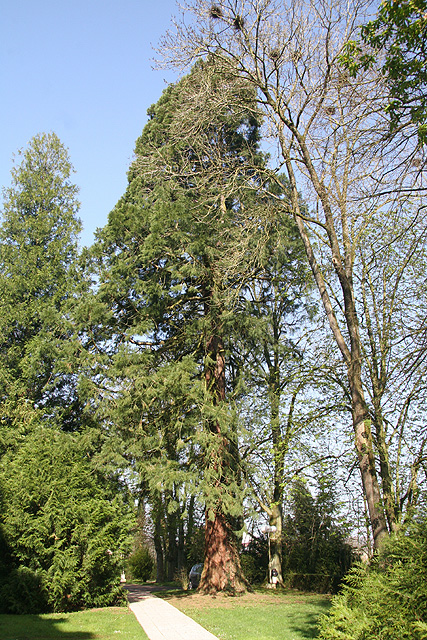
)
(275, 513)
(275, 563)
(364, 448)
(377, 368)
(158, 546)
(352, 356)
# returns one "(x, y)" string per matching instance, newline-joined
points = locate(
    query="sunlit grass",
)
(264, 615)
(114, 623)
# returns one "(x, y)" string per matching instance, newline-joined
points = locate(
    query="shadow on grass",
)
(38, 627)
(137, 592)
(308, 627)
(178, 593)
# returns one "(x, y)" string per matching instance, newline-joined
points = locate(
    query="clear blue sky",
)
(83, 69)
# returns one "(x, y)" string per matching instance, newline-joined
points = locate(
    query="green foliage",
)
(399, 30)
(23, 592)
(38, 281)
(65, 525)
(254, 560)
(195, 546)
(60, 512)
(173, 254)
(141, 563)
(387, 600)
(315, 555)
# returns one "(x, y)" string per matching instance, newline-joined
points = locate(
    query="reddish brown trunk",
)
(215, 371)
(221, 571)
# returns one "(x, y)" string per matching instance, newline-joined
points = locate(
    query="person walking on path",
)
(160, 620)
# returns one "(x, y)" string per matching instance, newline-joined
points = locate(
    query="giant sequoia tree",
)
(177, 247)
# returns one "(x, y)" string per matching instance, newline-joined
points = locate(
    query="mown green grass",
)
(263, 615)
(260, 616)
(115, 623)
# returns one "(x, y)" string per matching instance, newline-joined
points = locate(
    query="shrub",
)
(387, 600)
(181, 576)
(141, 564)
(254, 560)
(64, 526)
(23, 592)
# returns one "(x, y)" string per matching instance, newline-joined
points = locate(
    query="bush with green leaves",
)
(65, 525)
(141, 563)
(388, 599)
(254, 560)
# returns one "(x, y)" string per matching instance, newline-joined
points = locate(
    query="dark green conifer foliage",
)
(388, 599)
(38, 248)
(176, 248)
(61, 511)
(316, 555)
(65, 525)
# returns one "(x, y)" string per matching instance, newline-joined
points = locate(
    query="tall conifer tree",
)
(59, 515)
(38, 249)
(176, 248)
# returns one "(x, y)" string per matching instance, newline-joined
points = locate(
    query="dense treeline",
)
(238, 340)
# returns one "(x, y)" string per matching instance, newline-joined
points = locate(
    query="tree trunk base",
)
(222, 571)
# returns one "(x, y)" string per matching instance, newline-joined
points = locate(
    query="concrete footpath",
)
(160, 620)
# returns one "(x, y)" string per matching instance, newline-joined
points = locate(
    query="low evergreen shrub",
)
(65, 528)
(388, 599)
(23, 591)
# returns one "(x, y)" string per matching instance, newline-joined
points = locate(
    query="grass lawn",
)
(114, 623)
(262, 615)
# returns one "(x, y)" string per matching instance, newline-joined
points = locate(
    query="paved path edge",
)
(161, 620)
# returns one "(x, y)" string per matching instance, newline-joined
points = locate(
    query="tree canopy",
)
(246, 333)
(397, 36)
(38, 278)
